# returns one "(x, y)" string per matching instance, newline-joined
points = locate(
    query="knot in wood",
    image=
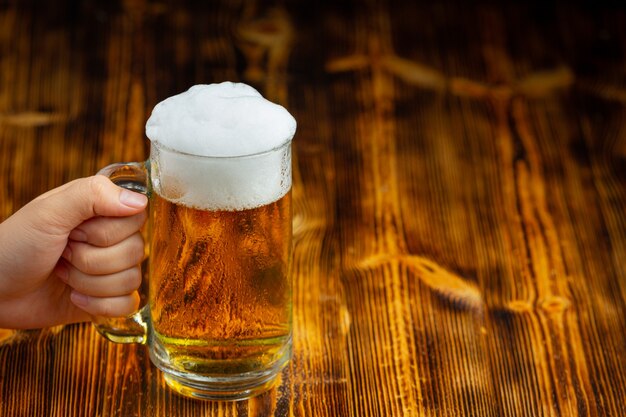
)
(519, 306)
(554, 304)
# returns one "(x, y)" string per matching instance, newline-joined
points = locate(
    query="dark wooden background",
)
(460, 195)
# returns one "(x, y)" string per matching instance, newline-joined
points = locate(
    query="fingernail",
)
(81, 300)
(62, 272)
(78, 235)
(132, 199)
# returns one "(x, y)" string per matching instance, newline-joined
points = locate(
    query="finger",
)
(68, 206)
(93, 260)
(106, 306)
(112, 285)
(108, 231)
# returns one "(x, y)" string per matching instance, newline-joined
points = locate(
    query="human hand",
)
(71, 253)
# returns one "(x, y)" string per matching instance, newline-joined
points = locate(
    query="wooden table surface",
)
(460, 195)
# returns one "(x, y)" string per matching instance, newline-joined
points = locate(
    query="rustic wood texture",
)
(460, 196)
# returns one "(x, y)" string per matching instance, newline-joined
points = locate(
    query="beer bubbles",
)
(221, 121)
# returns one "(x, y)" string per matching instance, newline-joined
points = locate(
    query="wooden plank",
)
(459, 194)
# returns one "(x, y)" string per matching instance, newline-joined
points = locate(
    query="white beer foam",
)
(227, 119)
(221, 121)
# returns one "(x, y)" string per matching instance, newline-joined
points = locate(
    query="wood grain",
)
(459, 196)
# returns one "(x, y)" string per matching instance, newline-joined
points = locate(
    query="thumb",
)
(64, 208)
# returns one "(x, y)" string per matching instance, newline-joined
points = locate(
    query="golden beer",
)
(218, 317)
(220, 294)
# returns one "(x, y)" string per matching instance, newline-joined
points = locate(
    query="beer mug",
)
(218, 315)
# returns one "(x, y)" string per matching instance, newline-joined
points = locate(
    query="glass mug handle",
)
(134, 328)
